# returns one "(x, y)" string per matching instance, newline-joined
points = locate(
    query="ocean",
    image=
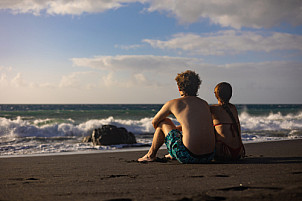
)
(50, 129)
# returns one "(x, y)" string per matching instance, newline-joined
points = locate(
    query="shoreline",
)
(271, 171)
(128, 149)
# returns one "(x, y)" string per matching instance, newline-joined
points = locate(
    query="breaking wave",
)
(51, 128)
(25, 136)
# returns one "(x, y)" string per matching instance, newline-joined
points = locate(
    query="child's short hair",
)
(188, 82)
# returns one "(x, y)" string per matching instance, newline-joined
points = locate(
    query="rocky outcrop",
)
(110, 135)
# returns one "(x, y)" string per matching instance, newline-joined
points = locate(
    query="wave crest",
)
(273, 121)
(21, 127)
(39, 128)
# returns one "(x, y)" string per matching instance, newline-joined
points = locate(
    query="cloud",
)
(257, 82)
(62, 7)
(135, 80)
(226, 13)
(79, 80)
(18, 81)
(128, 47)
(136, 63)
(83, 80)
(266, 82)
(140, 78)
(138, 71)
(234, 13)
(229, 42)
(9, 78)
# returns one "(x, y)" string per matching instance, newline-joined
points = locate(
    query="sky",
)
(128, 51)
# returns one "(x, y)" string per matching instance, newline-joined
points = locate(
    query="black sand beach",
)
(272, 171)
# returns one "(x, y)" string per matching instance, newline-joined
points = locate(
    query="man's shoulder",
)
(172, 101)
(187, 101)
(202, 100)
(176, 100)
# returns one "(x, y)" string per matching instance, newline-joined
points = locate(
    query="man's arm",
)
(162, 114)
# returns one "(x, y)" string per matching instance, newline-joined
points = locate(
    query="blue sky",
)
(127, 51)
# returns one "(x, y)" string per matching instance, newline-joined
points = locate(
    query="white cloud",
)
(63, 7)
(4, 73)
(128, 47)
(136, 80)
(262, 82)
(258, 82)
(15, 80)
(109, 80)
(233, 13)
(140, 78)
(18, 81)
(266, 82)
(80, 80)
(229, 42)
(3, 80)
(24, 6)
(136, 63)
(9, 78)
(126, 71)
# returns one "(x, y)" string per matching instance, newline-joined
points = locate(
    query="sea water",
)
(38, 129)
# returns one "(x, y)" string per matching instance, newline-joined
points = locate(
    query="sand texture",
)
(272, 171)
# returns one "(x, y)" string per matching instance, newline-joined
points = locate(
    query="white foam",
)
(24, 128)
(50, 128)
(271, 122)
(23, 136)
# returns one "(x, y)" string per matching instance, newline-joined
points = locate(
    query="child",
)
(227, 126)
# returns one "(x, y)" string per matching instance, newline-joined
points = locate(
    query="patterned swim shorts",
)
(177, 149)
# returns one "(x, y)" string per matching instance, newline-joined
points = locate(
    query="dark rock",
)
(110, 135)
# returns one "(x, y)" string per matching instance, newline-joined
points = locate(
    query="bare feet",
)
(168, 156)
(146, 158)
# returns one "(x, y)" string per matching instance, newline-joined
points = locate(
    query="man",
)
(193, 141)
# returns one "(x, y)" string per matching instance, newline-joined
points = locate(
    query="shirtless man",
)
(193, 141)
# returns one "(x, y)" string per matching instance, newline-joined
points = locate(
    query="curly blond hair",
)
(188, 82)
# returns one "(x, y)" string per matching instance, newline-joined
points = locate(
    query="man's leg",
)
(162, 130)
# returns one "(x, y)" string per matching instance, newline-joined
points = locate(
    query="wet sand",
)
(272, 171)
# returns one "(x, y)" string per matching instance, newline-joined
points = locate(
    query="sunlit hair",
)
(188, 82)
(223, 92)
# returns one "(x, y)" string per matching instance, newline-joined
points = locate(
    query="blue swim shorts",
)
(177, 149)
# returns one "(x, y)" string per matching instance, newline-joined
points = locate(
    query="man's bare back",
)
(194, 116)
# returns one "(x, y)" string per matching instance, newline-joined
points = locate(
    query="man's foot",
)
(168, 156)
(146, 158)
